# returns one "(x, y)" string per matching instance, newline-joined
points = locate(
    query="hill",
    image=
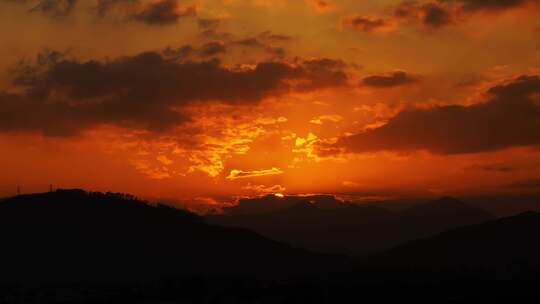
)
(498, 245)
(73, 235)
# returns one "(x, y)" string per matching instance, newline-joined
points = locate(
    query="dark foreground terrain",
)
(71, 246)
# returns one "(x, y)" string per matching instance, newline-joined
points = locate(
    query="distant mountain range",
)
(324, 224)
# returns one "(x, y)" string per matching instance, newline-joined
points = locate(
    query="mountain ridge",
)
(494, 245)
(354, 229)
(77, 235)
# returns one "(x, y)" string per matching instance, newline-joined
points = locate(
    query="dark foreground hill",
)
(498, 245)
(72, 235)
(347, 228)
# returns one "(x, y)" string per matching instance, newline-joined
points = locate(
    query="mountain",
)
(73, 235)
(272, 203)
(507, 205)
(500, 244)
(71, 246)
(352, 229)
(436, 216)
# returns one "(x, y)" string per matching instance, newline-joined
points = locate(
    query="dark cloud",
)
(57, 8)
(502, 168)
(276, 51)
(430, 14)
(475, 5)
(207, 24)
(148, 91)
(212, 49)
(509, 118)
(262, 42)
(215, 48)
(104, 6)
(398, 78)
(323, 73)
(251, 42)
(163, 12)
(159, 12)
(436, 16)
(180, 53)
(269, 36)
(366, 24)
(433, 14)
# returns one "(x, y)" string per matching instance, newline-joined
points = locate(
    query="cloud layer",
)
(509, 118)
(395, 79)
(147, 91)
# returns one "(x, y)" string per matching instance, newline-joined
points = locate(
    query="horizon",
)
(496, 205)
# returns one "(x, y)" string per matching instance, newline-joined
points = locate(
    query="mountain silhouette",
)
(499, 245)
(271, 203)
(71, 235)
(508, 205)
(350, 228)
(72, 246)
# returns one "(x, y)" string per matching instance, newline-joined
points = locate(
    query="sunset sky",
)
(205, 101)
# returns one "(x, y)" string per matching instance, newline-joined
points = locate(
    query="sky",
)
(206, 101)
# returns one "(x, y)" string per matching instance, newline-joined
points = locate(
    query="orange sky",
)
(204, 101)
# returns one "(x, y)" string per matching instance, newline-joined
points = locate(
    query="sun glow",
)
(280, 195)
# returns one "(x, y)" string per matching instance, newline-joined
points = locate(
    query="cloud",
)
(509, 118)
(321, 6)
(57, 8)
(368, 24)
(104, 6)
(430, 14)
(475, 5)
(238, 174)
(180, 53)
(433, 14)
(63, 97)
(185, 52)
(212, 49)
(397, 78)
(436, 16)
(162, 12)
(251, 42)
(502, 168)
(323, 73)
(208, 23)
(271, 37)
(264, 42)
(155, 12)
